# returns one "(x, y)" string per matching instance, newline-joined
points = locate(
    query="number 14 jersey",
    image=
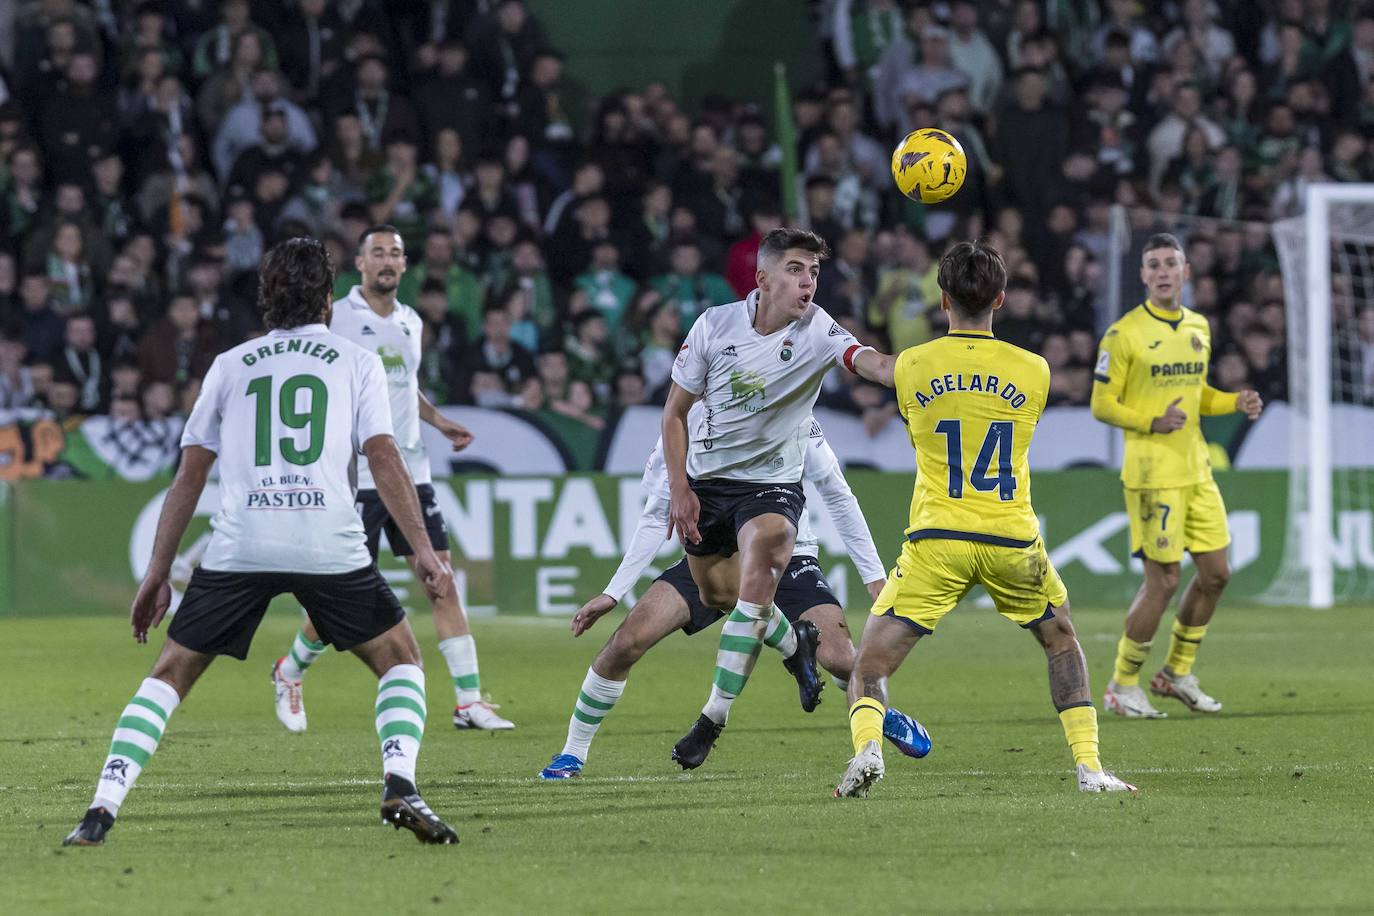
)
(287, 414)
(970, 403)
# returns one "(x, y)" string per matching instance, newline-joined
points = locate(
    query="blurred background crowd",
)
(151, 151)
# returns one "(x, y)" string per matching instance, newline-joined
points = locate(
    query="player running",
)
(285, 415)
(970, 403)
(371, 317)
(674, 602)
(1152, 382)
(734, 472)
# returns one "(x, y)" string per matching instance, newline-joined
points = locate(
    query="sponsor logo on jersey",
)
(1177, 368)
(836, 330)
(746, 386)
(815, 432)
(729, 351)
(393, 360)
(286, 499)
(368, 332)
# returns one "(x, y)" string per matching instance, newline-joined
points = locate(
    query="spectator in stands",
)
(691, 287)
(607, 289)
(16, 380)
(180, 346)
(80, 362)
(453, 99)
(228, 86)
(665, 333)
(215, 48)
(1034, 143)
(311, 46)
(43, 327)
(494, 363)
(242, 126)
(973, 55)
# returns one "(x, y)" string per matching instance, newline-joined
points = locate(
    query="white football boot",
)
(864, 770)
(290, 703)
(480, 715)
(1130, 702)
(1101, 781)
(1183, 687)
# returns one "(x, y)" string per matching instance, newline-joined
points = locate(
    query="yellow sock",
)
(1080, 730)
(1183, 647)
(866, 722)
(1130, 655)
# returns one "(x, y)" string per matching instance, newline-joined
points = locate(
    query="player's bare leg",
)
(658, 613)
(1072, 697)
(136, 736)
(882, 649)
(1199, 603)
(1124, 695)
(394, 657)
(765, 548)
(717, 580)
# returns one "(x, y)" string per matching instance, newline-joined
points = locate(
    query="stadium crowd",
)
(150, 152)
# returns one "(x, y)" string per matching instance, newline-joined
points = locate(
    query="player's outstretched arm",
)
(683, 507)
(456, 433)
(155, 593)
(650, 532)
(868, 363)
(397, 491)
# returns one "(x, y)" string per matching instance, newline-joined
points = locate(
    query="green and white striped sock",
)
(740, 640)
(461, 654)
(401, 718)
(594, 702)
(780, 636)
(136, 737)
(303, 653)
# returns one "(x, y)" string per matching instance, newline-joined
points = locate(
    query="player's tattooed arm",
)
(1069, 678)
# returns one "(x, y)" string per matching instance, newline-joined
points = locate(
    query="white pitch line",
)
(708, 777)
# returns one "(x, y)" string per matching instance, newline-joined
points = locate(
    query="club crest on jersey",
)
(786, 352)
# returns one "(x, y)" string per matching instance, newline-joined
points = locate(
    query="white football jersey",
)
(396, 339)
(287, 414)
(757, 391)
(819, 461)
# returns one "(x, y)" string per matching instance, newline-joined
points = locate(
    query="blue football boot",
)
(566, 766)
(908, 735)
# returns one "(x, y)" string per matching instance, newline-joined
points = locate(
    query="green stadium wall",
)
(541, 545)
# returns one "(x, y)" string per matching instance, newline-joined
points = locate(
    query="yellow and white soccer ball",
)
(929, 165)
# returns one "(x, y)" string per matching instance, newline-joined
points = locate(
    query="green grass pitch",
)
(1262, 809)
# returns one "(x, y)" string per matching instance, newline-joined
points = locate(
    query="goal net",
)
(1327, 258)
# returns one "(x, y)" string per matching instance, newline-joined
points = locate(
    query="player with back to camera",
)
(285, 414)
(735, 467)
(372, 318)
(1151, 381)
(970, 403)
(673, 602)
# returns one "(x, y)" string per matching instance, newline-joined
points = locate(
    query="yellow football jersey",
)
(1147, 359)
(970, 403)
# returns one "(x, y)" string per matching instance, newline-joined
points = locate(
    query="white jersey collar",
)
(316, 328)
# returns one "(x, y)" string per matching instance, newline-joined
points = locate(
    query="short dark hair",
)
(972, 274)
(295, 284)
(373, 230)
(777, 242)
(1162, 240)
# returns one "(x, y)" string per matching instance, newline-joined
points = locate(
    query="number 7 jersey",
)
(970, 403)
(287, 414)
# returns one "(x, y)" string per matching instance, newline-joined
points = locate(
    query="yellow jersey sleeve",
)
(1216, 402)
(1109, 384)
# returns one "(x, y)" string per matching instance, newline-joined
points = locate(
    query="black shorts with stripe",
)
(377, 519)
(222, 610)
(801, 588)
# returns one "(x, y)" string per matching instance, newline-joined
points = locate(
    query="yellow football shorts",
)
(932, 575)
(1164, 523)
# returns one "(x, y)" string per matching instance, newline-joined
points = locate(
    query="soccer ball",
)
(929, 165)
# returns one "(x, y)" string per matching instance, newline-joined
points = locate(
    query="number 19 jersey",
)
(970, 403)
(287, 414)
